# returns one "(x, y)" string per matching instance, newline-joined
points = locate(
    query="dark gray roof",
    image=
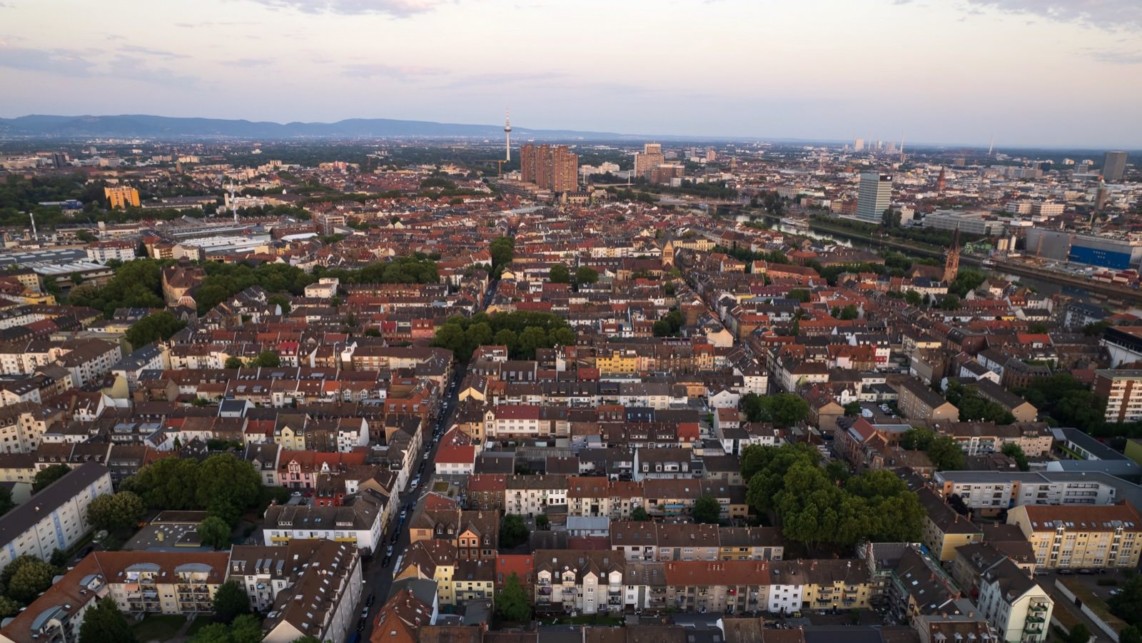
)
(24, 517)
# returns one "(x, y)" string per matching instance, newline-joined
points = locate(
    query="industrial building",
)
(1106, 252)
(973, 222)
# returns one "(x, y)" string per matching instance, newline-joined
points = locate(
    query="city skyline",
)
(1043, 74)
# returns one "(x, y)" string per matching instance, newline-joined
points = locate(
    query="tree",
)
(267, 359)
(706, 510)
(215, 532)
(30, 579)
(559, 274)
(783, 409)
(1080, 633)
(945, 453)
(6, 502)
(913, 298)
(511, 603)
(104, 623)
(8, 607)
(890, 218)
(227, 486)
(852, 409)
(950, 302)
(1015, 452)
(116, 512)
(230, 602)
(502, 250)
(233, 362)
(586, 275)
(513, 531)
(1127, 605)
(245, 629)
(1130, 634)
(48, 475)
(152, 328)
(639, 514)
(542, 521)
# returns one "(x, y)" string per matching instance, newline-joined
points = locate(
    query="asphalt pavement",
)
(378, 577)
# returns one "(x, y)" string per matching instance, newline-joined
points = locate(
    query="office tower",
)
(952, 263)
(874, 197)
(121, 197)
(650, 158)
(555, 168)
(1114, 166)
(858, 145)
(711, 155)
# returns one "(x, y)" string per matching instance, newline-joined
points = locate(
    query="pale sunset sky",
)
(1026, 72)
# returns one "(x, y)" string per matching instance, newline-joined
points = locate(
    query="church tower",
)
(952, 264)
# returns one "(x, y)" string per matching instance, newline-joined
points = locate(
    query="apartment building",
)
(56, 518)
(588, 582)
(531, 495)
(1122, 390)
(360, 521)
(163, 582)
(1108, 536)
(992, 491)
(1014, 604)
(918, 402)
(321, 597)
(944, 530)
(57, 614)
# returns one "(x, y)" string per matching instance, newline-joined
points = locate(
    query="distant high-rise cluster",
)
(874, 197)
(649, 158)
(1114, 166)
(122, 197)
(554, 167)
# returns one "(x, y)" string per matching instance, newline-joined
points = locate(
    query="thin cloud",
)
(381, 70)
(147, 51)
(505, 78)
(396, 8)
(1118, 57)
(1104, 14)
(63, 62)
(249, 62)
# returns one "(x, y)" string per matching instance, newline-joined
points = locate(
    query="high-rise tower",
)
(1113, 166)
(508, 138)
(941, 181)
(874, 196)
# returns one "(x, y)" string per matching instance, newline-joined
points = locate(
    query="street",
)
(378, 577)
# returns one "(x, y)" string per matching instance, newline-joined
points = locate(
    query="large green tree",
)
(30, 579)
(783, 409)
(511, 603)
(222, 484)
(6, 502)
(559, 274)
(245, 629)
(230, 602)
(214, 532)
(1127, 605)
(48, 475)
(513, 531)
(706, 510)
(104, 623)
(116, 512)
(502, 250)
(153, 328)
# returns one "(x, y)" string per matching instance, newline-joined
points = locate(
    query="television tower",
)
(508, 137)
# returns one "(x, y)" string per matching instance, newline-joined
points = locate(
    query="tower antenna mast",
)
(507, 137)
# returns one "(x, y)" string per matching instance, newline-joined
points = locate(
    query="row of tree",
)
(783, 410)
(942, 450)
(222, 484)
(521, 332)
(826, 506)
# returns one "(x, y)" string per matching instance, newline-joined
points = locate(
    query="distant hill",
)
(145, 126)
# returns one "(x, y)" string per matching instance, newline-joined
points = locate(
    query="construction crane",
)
(500, 168)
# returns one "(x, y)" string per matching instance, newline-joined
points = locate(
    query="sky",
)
(1026, 73)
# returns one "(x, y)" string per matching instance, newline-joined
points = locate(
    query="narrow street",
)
(377, 576)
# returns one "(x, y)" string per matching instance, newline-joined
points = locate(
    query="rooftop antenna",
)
(508, 137)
